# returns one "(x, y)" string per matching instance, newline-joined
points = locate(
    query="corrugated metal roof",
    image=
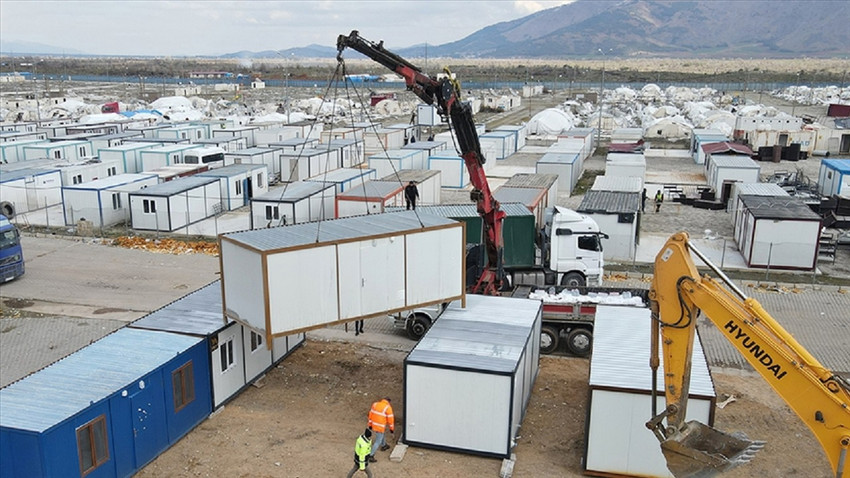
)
(724, 146)
(113, 181)
(489, 335)
(25, 173)
(406, 175)
(465, 210)
(785, 207)
(733, 161)
(232, 170)
(176, 186)
(373, 189)
(305, 153)
(253, 151)
(528, 196)
(296, 235)
(626, 158)
(841, 165)
(87, 376)
(199, 313)
(428, 145)
(559, 158)
(341, 175)
(759, 189)
(621, 353)
(623, 184)
(526, 180)
(297, 191)
(609, 202)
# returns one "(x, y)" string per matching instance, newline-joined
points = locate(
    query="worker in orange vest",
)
(380, 417)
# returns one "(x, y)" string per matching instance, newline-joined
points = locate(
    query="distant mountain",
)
(32, 48)
(309, 51)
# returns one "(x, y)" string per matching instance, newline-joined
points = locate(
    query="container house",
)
(258, 155)
(567, 166)
(71, 172)
(533, 198)
(166, 155)
(626, 164)
(520, 134)
(27, 190)
(724, 169)
(13, 136)
(702, 137)
(293, 203)
(239, 183)
(229, 145)
(586, 137)
(341, 133)
(237, 355)
(176, 171)
(430, 148)
(189, 131)
(452, 169)
(546, 182)
(617, 442)
(344, 179)
(369, 198)
(777, 232)
(169, 206)
(130, 155)
(751, 189)
(103, 202)
(468, 381)
(111, 140)
(382, 139)
(351, 151)
(427, 182)
(108, 409)
(302, 129)
(407, 129)
(13, 151)
(148, 131)
(70, 150)
(505, 142)
(388, 162)
(294, 144)
(247, 132)
(347, 269)
(617, 214)
(834, 177)
(305, 163)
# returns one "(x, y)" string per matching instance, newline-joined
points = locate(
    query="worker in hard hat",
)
(380, 418)
(362, 449)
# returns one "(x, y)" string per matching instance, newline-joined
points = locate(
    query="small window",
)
(92, 445)
(116, 201)
(77, 179)
(83, 151)
(589, 243)
(149, 206)
(238, 188)
(226, 353)
(183, 381)
(260, 180)
(175, 158)
(112, 171)
(256, 341)
(57, 154)
(272, 212)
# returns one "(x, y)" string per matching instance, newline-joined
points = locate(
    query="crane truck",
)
(817, 395)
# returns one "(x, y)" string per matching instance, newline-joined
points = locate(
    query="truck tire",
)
(7, 209)
(573, 279)
(580, 342)
(417, 326)
(548, 339)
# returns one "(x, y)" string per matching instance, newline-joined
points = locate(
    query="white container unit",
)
(70, 150)
(77, 172)
(702, 137)
(834, 177)
(305, 163)
(351, 151)
(293, 203)
(387, 162)
(585, 136)
(408, 129)
(303, 129)
(505, 141)
(294, 144)
(616, 213)
(291, 279)
(430, 148)
(468, 381)
(103, 202)
(520, 134)
(617, 441)
(247, 132)
(192, 132)
(427, 182)
(533, 198)
(341, 133)
(777, 232)
(176, 171)
(426, 115)
(258, 155)
(239, 183)
(382, 139)
(111, 140)
(230, 145)
(751, 189)
(267, 137)
(452, 170)
(546, 182)
(175, 204)
(13, 152)
(369, 198)
(130, 155)
(730, 168)
(626, 164)
(27, 190)
(567, 166)
(167, 155)
(344, 179)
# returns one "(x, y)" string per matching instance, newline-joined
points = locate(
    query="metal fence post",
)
(767, 272)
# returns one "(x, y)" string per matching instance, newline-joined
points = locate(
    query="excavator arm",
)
(819, 397)
(445, 94)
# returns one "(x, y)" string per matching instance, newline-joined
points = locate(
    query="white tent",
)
(551, 121)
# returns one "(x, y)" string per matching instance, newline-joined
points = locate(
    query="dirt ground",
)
(304, 418)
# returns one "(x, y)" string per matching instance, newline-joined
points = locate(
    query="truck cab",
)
(575, 248)
(11, 254)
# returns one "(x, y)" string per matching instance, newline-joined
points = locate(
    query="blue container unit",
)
(505, 142)
(107, 409)
(834, 177)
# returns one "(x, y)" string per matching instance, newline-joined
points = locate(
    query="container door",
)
(149, 432)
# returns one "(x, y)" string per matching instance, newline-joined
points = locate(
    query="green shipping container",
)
(518, 230)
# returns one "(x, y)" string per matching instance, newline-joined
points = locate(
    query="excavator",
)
(817, 395)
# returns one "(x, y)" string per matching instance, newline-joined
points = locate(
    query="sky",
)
(215, 27)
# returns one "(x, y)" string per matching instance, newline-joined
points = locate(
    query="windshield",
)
(9, 238)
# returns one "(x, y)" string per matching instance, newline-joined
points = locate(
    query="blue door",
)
(148, 411)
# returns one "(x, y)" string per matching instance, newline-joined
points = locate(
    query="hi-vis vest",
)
(362, 448)
(380, 416)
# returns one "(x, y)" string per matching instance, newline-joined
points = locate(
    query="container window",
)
(116, 201)
(260, 180)
(92, 445)
(256, 341)
(183, 381)
(149, 206)
(226, 355)
(238, 188)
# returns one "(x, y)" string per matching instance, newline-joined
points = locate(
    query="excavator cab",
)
(699, 451)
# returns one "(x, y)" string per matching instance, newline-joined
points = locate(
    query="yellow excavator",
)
(818, 396)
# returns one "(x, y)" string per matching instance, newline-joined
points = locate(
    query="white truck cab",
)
(575, 248)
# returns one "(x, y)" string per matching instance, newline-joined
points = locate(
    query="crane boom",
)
(445, 95)
(818, 396)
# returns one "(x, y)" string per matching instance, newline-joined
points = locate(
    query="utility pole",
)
(599, 100)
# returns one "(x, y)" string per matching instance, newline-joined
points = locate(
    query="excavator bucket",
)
(699, 451)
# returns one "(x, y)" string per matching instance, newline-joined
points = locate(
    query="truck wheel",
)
(417, 326)
(579, 342)
(7, 209)
(548, 340)
(573, 279)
